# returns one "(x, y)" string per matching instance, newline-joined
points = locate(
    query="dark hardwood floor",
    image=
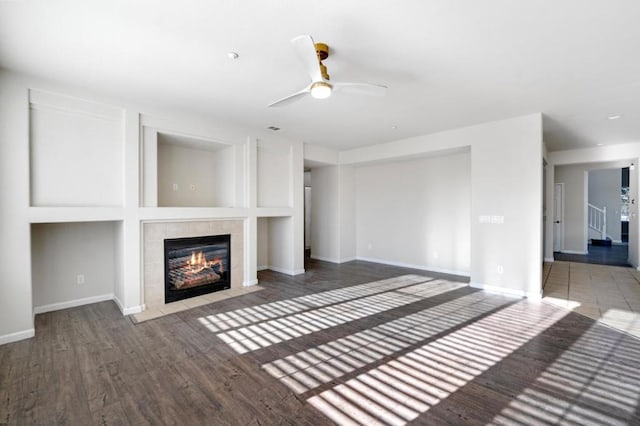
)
(335, 345)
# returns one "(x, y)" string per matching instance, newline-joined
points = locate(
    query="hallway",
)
(608, 294)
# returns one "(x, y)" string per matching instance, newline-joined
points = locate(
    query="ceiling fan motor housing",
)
(322, 50)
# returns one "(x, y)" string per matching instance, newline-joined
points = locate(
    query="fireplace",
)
(196, 266)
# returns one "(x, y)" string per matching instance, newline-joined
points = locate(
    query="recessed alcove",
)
(75, 263)
(194, 172)
(274, 243)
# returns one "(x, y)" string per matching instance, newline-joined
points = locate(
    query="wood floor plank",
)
(91, 365)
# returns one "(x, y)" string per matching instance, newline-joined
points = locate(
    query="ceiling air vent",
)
(274, 128)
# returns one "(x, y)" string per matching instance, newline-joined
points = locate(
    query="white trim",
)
(134, 310)
(262, 268)
(249, 283)
(130, 310)
(286, 271)
(332, 260)
(549, 259)
(72, 303)
(506, 291)
(574, 252)
(421, 267)
(325, 259)
(18, 335)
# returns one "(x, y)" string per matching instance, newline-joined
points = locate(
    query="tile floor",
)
(608, 294)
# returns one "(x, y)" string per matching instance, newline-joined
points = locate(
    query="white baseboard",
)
(286, 271)
(262, 268)
(506, 291)
(325, 259)
(249, 283)
(421, 267)
(549, 259)
(573, 252)
(18, 335)
(72, 303)
(333, 260)
(130, 310)
(133, 310)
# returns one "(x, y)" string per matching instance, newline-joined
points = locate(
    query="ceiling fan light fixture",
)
(320, 90)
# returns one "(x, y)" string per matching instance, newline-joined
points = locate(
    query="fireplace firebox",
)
(196, 266)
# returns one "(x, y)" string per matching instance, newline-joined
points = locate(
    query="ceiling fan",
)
(312, 54)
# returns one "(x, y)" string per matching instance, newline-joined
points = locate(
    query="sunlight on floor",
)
(308, 369)
(395, 371)
(583, 372)
(608, 294)
(400, 390)
(267, 311)
(246, 339)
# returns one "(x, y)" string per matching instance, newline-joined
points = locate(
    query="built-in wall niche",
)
(274, 162)
(75, 263)
(194, 172)
(76, 152)
(275, 244)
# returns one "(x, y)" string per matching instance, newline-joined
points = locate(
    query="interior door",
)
(558, 216)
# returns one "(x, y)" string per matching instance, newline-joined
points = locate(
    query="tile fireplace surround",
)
(154, 234)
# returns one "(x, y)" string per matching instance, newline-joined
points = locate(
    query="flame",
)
(198, 262)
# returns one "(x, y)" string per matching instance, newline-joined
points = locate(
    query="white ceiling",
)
(447, 63)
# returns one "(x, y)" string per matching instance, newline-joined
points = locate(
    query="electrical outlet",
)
(369, 246)
(80, 279)
(193, 186)
(500, 269)
(436, 255)
(175, 186)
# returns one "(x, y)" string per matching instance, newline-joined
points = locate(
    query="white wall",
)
(280, 243)
(347, 212)
(604, 191)
(16, 317)
(61, 251)
(263, 243)
(506, 176)
(274, 175)
(76, 152)
(224, 181)
(416, 212)
(325, 222)
(212, 173)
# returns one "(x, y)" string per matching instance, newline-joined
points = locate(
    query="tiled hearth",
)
(154, 234)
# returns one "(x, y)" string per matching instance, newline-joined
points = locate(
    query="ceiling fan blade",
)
(291, 98)
(361, 88)
(306, 50)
